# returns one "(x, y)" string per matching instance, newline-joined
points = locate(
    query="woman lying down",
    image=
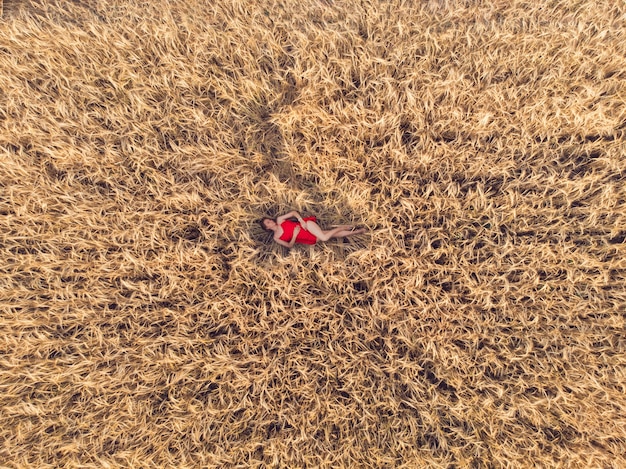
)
(305, 231)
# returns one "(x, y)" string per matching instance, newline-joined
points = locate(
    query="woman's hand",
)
(282, 218)
(300, 219)
(296, 230)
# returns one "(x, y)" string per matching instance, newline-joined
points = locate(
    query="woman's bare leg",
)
(339, 232)
(348, 233)
(322, 235)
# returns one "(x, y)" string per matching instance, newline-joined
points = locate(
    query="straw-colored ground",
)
(146, 320)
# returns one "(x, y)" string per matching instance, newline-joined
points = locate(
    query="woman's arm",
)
(293, 213)
(291, 243)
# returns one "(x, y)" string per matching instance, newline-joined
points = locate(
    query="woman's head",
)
(268, 224)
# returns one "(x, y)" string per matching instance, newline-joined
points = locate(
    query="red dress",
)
(303, 237)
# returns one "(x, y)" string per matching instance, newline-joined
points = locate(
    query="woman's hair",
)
(262, 223)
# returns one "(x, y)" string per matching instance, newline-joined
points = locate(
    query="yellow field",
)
(146, 320)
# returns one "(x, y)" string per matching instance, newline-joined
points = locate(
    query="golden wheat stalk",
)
(147, 321)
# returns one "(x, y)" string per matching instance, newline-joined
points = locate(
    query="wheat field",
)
(147, 321)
